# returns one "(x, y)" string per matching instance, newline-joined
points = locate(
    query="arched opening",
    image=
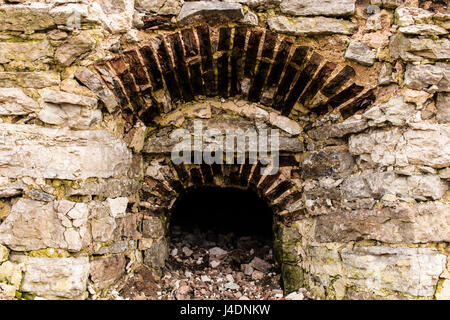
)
(221, 243)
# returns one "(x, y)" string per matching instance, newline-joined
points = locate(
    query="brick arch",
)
(227, 61)
(280, 191)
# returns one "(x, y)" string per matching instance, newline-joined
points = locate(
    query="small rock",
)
(187, 252)
(218, 253)
(260, 264)
(294, 296)
(247, 269)
(214, 263)
(257, 275)
(232, 286)
(361, 53)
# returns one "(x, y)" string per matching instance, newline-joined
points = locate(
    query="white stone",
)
(433, 77)
(56, 277)
(318, 7)
(395, 111)
(13, 101)
(61, 97)
(311, 26)
(414, 271)
(118, 206)
(68, 154)
(71, 116)
(443, 107)
(360, 53)
(424, 30)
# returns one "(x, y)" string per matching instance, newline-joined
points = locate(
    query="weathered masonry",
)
(91, 91)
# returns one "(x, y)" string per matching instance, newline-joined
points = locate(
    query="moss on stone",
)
(293, 277)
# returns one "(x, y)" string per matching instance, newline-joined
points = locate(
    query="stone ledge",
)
(68, 154)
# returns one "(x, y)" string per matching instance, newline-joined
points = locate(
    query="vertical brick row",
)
(152, 67)
(255, 92)
(207, 60)
(240, 34)
(222, 61)
(305, 76)
(167, 70)
(252, 53)
(181, 70)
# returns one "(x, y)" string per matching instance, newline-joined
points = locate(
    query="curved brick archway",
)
(256, 64)
(360, 97)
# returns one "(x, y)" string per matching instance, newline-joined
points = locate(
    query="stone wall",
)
(91, 91)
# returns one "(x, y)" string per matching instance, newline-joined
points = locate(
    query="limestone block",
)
(90, 80)
(360, 53)
(338, 130)
(413, 271)
(68, 115)
(424, 30)
(56, 277)
(13, 101)
(427, 145)
(68, 154)
(74, 48)
(421, 223)
(152, 227)
(110, 188)
(36, 79)
(329, 163)
(157, 254)
(419, 49)
(195, 11)
(395, 111)
(34, 225)
(443, 107)
(61, 97)
(25, 51)
(318, 7)
(311, 26)
(105, 271)
(428, 77)
(406, 16)
(160, 7)
(4, 253)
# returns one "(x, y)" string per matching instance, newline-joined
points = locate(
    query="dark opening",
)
(222, 238)
(223, 210)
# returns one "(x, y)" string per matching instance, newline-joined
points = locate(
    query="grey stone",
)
(360, 53)
(338, 130)
(152, 227)
(205, 10)
(385, 75)
(424, 30)
(110, 188)
(56, 277)
(63, 98)
(69, 154)
(156, 255)
(90, 80)
(422, 144)
(311, 26)
(318, 7)
(69, 115)
(13, 101)
(74, 49)
(443, 107)
(419, 49)
(375, 185)
(395, 111)
(428, 77)
(160, 7)
(330, 163)
(427, 222)
(406, 16)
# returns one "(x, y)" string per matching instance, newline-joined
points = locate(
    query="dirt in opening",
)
(220, 248)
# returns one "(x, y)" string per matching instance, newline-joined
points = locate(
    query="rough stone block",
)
(105, 271)
(13, 101)
(360, 53)
(428, 77)
(68, 154)
(330, 163)
(203, 10)
(56, 277)
(318, 7)
(311, 26)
